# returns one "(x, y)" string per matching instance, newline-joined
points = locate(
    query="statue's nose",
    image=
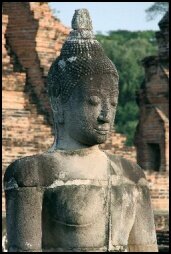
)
(104, 116)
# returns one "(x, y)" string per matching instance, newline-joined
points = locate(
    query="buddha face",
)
(90, 111)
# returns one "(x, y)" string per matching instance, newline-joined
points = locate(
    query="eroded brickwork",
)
(152, 135)
(159, 187)
(31, 40)
(36, 38)
(6, 66)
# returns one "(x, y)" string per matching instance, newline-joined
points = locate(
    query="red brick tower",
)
(152, 134)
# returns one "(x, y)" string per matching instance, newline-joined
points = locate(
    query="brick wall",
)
(152, 134)
(50, 36)
(36, 38)
(31, 40)
(6, 66)
(159, 187)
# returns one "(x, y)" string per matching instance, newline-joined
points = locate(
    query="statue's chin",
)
(91, 139)
(98, 139)
(101, 140)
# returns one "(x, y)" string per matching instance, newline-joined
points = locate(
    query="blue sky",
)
(108, 16)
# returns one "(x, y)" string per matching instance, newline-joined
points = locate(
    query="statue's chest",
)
(86, 213)
(78, 202)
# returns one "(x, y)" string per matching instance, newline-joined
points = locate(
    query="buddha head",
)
(83, 86)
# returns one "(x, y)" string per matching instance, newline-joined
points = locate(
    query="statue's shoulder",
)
(126, 168)
(32, 171)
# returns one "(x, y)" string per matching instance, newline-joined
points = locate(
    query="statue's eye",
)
(94, 100)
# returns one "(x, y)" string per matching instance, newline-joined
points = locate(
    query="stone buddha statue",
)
(75, 197)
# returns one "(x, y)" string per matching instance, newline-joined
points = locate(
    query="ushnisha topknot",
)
(81, 55)
(82, 20)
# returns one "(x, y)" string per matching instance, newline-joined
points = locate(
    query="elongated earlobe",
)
(60, 116)
(57, 110)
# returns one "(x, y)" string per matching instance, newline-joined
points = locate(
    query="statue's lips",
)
(102, 131)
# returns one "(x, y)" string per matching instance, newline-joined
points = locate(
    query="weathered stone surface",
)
(72, 201)
(24, 208)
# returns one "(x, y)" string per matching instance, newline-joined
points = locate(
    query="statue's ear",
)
(57, 110)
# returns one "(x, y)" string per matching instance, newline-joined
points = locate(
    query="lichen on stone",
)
(12, 184)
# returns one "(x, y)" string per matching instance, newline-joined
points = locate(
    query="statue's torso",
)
(88, 207)
(86, 201)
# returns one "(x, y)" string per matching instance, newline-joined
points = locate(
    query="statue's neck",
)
(63, 141)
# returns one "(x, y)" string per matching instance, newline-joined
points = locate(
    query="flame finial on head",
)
(82, 26)
(81, 20)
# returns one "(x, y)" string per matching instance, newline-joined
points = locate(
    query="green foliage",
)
(156, 9)
(126, 49)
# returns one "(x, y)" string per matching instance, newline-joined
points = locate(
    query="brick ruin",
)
(152, 133)
(153, 130)
(31, 39)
